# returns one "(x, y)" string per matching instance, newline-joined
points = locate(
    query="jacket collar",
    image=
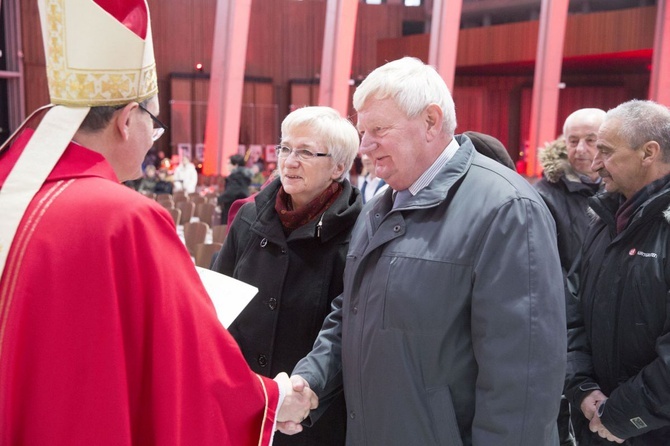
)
(338, 218)
(604, 206)
(438, 189)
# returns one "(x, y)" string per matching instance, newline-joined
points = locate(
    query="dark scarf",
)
(293, 219)
(628, 208)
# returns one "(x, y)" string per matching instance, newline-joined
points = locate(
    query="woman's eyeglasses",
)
(302, 154)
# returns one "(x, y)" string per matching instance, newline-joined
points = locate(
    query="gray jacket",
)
(451, 326)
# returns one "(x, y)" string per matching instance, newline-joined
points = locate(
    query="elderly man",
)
(619, 358)
(99, 344)
(567, 184)
(568, 180)
(450, 329)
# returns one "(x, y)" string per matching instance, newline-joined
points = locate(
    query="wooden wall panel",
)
(302, 46)
(180, 112)
(597, 33)
(415, 46)
(497, 44)
(303, 95)
(610, 32)
(34, 66)
(374, 22)
(266, 119)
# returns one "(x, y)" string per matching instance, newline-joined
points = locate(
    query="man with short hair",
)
(568, 182)
(619, 354)
(450, 329)
(566, 185)
(107, 335)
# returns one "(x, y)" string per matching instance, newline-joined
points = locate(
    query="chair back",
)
(148, 194)
(196, 198)
(205, 212)
(187, 211)
(194, 233)
(167, 204)
(219, 233)
(204, 253)
(164, 197)
(180, 198)
(176, 215)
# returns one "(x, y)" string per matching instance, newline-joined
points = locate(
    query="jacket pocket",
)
(424, 295)
(443, 422)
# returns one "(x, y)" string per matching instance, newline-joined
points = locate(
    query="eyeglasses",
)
(301, 154)
(158, 131)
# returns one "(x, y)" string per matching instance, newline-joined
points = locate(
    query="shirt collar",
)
(429, 175)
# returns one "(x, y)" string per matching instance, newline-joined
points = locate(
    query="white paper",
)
(230, 296)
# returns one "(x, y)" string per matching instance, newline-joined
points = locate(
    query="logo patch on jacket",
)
(634, 251)
(638, 423)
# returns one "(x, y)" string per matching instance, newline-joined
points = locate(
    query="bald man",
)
(567, 183)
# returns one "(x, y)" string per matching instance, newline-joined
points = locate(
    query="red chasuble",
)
(107, 336)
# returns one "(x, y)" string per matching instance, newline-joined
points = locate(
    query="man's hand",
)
(298, 401)
(590, 403)
(597, 426)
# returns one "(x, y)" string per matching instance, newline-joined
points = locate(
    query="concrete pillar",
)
(659, 85)
(444, 38)
(338, 50)
(224, 108)
(548, 64)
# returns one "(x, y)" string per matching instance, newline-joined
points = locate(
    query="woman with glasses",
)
(291, 244)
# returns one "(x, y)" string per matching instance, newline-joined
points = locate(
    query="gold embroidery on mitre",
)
(77, 87)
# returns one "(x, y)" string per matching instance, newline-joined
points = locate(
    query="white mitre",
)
(98, 53)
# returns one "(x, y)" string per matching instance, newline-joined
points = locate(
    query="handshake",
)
(299, 399)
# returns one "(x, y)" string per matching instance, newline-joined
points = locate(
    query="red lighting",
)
(198, 66)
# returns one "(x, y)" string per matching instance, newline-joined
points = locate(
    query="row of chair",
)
(204, 253)
(181, 196)
(187, 210)
(195, 235)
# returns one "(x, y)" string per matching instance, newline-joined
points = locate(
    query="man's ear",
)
(122, 120)
(651, 153)
(433, 118)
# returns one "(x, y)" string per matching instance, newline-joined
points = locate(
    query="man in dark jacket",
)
(450, 328)
(619, 356)
(568, 181)
(565, 187)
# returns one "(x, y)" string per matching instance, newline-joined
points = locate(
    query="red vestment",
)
(107, 336)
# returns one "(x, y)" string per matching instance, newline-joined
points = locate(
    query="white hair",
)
(336, 133)
(643, 121)
(594, 115)
(413, 86)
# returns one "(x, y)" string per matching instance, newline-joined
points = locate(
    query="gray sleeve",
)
(518, 328)
(322, 367)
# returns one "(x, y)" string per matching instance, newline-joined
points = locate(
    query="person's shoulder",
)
(496, 179)
(98, 207)
(543, 186)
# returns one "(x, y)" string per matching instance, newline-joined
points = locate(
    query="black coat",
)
(568, 203)
(566, 196)
(297, 278)
(237, 187)
(623, 344)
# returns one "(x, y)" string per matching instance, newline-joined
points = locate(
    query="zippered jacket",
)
(622, 345)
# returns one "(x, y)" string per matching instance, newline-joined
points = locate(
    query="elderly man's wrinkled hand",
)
(590, 403)
(299, 399)
(597, 426)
